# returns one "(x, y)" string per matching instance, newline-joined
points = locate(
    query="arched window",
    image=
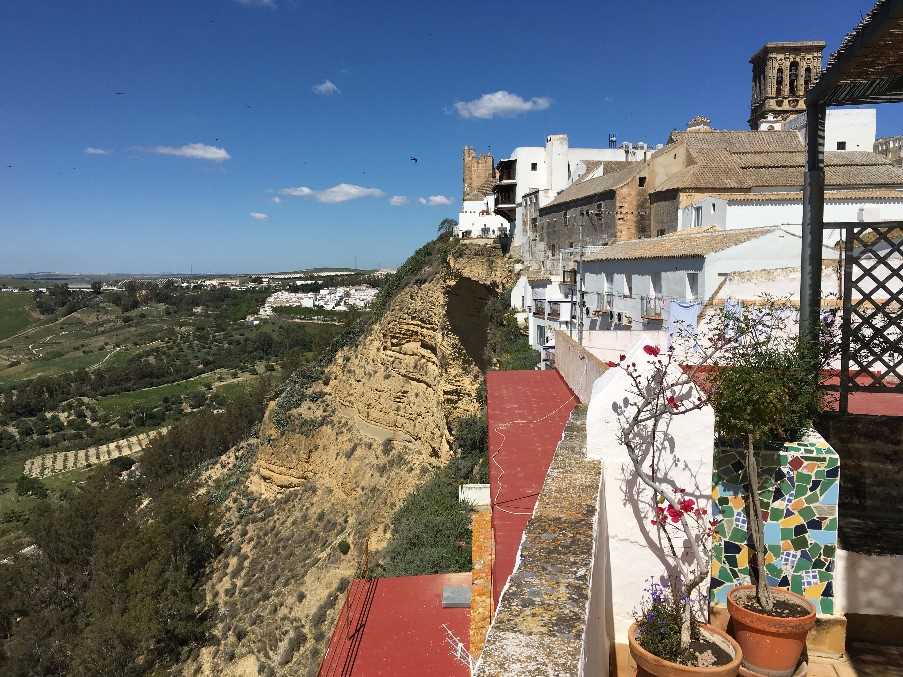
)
(779, 83)
(807, 79)
(794, 77)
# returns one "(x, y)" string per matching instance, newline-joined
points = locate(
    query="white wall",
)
(478, 214)
(856, 126)
(714, 213)
(635, 555)
(741, 214)
(522, 294)
(868, 584)
(780, 248)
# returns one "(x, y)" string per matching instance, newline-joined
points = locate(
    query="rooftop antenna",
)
(612, 140)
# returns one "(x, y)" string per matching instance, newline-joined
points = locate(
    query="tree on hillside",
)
(96, 286)
(446, 227)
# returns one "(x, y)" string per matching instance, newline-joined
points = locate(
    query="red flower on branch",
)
(652, 350)
(621, 358)
(674, 514)
(672, 401)
(688, 505)
(612, 364)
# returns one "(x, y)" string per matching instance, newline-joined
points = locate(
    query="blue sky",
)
(219, 115)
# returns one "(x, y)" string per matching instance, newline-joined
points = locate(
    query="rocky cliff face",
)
(325, 482)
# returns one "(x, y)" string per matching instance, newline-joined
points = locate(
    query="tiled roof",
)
(601, 184)
(745, 160)
(591, 166)
(685, 243)
(830, 196)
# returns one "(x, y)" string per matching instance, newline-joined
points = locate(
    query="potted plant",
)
(667, 639)
(765, 390)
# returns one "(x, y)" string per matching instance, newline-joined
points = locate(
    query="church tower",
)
(782, 73)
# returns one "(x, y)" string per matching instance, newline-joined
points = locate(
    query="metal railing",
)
(651, 307)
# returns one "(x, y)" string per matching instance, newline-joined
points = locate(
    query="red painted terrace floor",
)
(393, 626)
(527, 412)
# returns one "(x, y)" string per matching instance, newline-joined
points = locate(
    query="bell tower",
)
(782, 73)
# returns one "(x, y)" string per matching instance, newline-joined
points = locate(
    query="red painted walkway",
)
(527, 413)
(393, 626)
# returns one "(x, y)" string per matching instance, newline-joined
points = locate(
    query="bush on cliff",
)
(507, 346)
(431, 530)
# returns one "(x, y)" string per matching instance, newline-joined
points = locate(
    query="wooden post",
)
(813, 223)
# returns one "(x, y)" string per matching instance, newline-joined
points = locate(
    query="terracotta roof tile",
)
(745, 160)
(686, 243)
(601, 184)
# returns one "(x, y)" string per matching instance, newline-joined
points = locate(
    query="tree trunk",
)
(685, 626)
(757, 528)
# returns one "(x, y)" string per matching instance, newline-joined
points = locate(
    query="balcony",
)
(651, 307)
(539, 309)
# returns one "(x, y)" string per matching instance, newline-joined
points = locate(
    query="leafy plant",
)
(659, 622)
(765, 389)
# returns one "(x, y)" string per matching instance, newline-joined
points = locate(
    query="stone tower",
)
(479, 172)
(782, 73)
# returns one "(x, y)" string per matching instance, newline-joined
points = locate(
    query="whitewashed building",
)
(549, 169)
(477, 218)
(652, 283)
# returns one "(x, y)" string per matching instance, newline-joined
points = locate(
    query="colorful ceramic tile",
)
(800, 491)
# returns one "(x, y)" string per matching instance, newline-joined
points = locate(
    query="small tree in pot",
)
(667, 639)
(765, 390)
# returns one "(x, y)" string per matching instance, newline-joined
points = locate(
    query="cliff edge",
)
(337, 454)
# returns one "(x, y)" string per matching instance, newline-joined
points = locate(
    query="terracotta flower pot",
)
(772, 646)
(649, 665)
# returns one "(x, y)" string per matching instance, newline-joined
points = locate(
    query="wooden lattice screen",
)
(872, 329)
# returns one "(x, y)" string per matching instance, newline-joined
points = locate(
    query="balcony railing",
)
(651, 307)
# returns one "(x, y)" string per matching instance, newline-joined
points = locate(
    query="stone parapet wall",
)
(550, 619)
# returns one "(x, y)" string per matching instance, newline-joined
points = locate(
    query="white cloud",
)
(434, 200)
(341, 192)
(258, 3)
(259, 216)
(91, 150)
(500, 104)
(196, 151)
(398, 200)
(326, 88)
(277, 200)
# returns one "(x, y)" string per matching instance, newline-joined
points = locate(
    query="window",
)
(693, 284)
(713, 208)
(570, 245)
(779, 83)
(794, 76)
(807, 79)
(642, 181)
(841, 145)
(532, 166)
(697, 216)
(540, 334)
(661, 231)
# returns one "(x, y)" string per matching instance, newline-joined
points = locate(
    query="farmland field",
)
(91, 375)
(16, 313)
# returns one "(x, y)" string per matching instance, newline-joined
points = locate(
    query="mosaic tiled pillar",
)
(799, 491)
